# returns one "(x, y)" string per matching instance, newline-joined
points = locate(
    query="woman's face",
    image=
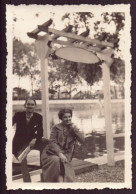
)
(66, 119)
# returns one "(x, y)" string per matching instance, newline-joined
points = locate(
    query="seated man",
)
(56, 159)
(29, 132)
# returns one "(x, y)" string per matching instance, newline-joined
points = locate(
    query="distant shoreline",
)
(77, 101)
(73, 104)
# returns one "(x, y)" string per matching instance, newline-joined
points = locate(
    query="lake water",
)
(89, 118)
(93, 120)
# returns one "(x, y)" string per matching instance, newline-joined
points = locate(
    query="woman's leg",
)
(50, 167)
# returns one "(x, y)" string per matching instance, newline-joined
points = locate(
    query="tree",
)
(32, 68)
(118, 73)
(37, 94)
(18, 63)
(25, 61)
(19, 93)
(63, 73)
(106, 27)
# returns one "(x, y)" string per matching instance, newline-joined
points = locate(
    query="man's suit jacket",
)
(26, 132)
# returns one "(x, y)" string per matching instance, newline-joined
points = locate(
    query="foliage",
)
(90, 72)
(63, 73)
(80, 20)
(25, 61)
(118, 71)
(20, 94)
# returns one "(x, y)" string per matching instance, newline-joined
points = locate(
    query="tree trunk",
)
(59, 92)
(32, 85)
(115, 92)
(19, 94)
(70, 91)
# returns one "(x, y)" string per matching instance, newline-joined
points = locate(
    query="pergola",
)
(92, 50)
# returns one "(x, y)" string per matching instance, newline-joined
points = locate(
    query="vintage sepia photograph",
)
(68, 97)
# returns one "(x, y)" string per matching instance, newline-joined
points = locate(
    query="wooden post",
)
(108, 115)
(106, 57)
(43, 52)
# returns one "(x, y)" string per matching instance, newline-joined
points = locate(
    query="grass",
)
(103, 174)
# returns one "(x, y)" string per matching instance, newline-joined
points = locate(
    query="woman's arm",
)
(78, 135)
(53, 146)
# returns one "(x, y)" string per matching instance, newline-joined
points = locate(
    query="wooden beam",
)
(35, 36)
(35, 32)
(106, 55)
(43, 28)
(32, 35)
(67, 29)
(68, 43)
(46, 24)
(79, 38)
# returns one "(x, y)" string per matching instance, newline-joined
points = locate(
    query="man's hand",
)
(32, 143)
(63, 158)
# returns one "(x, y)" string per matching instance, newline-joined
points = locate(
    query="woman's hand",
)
(76, 133)
(63, 158)
(73, 129)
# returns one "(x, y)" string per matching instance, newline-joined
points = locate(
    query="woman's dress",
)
(62, 141)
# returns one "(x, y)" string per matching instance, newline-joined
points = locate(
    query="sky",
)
(31, 19)
(26, 19)
(37, 15)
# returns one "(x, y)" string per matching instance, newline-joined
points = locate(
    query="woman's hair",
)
(63, 111)
(30, 98)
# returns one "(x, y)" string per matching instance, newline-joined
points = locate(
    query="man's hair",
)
(63, 111)
(30, 98)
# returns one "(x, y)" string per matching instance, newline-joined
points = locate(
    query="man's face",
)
(30, 106)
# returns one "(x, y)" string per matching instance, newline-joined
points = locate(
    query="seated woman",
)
(55, 159)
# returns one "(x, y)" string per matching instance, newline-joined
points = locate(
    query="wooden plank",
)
(85, 168)
(119, 135)
(80, 166)
(32, 173)
(75, 163)
(79, 38)
(79, 162)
